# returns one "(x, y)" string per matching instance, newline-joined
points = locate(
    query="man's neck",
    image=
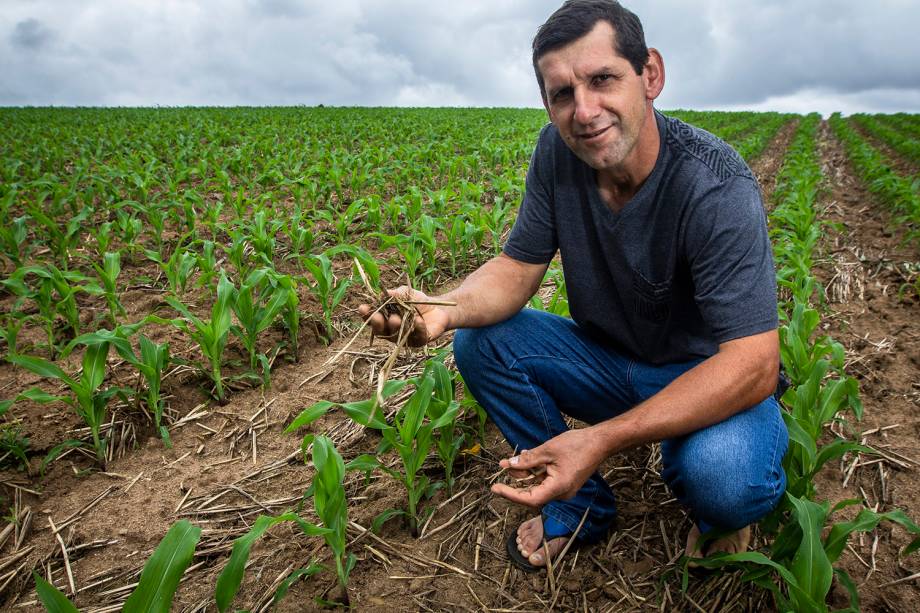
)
(617, 186)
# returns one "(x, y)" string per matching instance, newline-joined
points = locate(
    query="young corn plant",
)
(89, 400)
(412, 434)
(178, 267)
(450, 438)
(330, 504)
(13, 243)
(229, 580)
(54, 293)
(258, 304)
(804, 559)
(108, 276)
(210, 334)
(326, 288)
(151, 365)
(159, 579)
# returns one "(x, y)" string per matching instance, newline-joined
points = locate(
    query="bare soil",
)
(864, 268)
(231, 463)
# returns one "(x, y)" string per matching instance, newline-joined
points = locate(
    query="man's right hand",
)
(430, 320)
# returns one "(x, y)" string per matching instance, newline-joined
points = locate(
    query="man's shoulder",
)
(703, 150)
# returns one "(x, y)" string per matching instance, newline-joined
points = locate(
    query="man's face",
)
(596, 99)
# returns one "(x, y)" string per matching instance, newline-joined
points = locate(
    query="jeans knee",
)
(730, 499)
(466, 348)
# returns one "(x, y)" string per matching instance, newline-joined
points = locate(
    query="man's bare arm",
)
(492, 293)
(740, 375)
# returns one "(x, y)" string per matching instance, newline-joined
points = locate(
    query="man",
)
(671, 287)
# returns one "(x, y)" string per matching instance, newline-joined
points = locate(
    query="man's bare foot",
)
(530, 542)
(735, 542)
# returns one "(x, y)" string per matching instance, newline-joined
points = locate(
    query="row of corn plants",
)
(162, 573)
(425, 424)
(902, 194)
(807, 540)
(904, 143)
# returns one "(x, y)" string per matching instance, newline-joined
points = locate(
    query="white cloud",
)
(718, 53)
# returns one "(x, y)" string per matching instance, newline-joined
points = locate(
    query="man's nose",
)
(587, 106)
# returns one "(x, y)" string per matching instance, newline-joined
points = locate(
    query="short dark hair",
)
(576, 18)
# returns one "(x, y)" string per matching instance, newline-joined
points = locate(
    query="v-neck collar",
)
(594, 194)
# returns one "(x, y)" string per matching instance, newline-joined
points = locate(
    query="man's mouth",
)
(588, 136)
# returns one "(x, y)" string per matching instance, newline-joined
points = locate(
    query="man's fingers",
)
(526, 460)
(377, 324)
(531, 497)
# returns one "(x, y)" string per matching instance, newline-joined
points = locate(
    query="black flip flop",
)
(517, 558)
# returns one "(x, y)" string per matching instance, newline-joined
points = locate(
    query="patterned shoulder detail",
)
(713, 152)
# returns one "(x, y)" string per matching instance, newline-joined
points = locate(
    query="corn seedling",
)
(177, 268)
(89, 400)
(13, 446)
(210, 334)
(804, 559)
(258, 303)
(411, 434)
(327, 290)
(151, 365)
(13, 239)
(228, 582)
(159, 579)
(54, 293)
(449, 440)
(108, 276)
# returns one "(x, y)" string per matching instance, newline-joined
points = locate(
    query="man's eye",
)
(603, 78)
(562, 94)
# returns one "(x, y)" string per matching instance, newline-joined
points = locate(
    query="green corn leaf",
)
(384, 517)
(228, 583)
(448, 417)
(94, 365)
(291, 579)
(798, 435)
(309, 415)
(836, 449)
(444, 386)
(867, 520)
(365, 413)
(810, 564)
(164, 570)
(37, 395)
(366, 463)
(41, 367)
(51, 597)
(414, 410)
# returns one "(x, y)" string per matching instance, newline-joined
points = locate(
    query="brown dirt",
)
(768, 165)
(863, 268)
(459, 563)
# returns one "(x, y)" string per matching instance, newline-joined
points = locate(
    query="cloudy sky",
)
(786, 55)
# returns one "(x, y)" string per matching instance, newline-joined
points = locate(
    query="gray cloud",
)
(718, 53)
(30, 34)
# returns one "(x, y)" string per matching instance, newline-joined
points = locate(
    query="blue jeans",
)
(531, 369)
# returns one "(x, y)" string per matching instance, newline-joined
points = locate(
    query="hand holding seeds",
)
(406, 311)
(553, 471)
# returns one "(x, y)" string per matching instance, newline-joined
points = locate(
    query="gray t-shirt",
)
(684, 266)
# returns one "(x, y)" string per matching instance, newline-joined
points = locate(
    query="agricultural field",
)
(186, 381)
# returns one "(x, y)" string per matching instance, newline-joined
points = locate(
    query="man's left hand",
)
(561, 465)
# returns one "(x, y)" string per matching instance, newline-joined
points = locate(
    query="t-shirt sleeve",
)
(728, 249)
(533, 237)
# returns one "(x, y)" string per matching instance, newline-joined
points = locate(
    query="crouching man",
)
(671, 286)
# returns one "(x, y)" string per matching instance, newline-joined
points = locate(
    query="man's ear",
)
(653, 74)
